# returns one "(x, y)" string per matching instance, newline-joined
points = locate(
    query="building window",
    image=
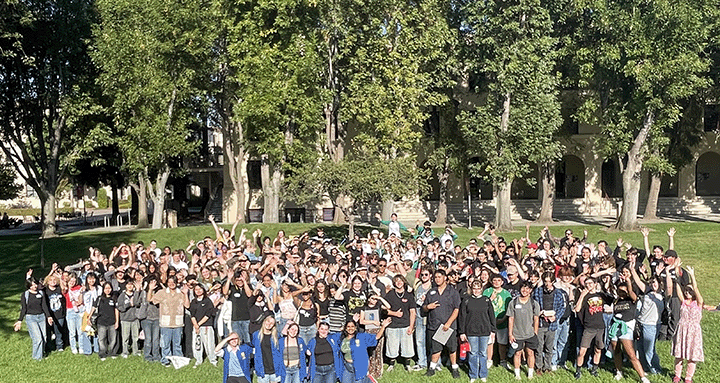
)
(254, 175)
(712, 118)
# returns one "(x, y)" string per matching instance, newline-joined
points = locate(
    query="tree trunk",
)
(631, 177)
(388, 207)
(339, 216)
(547, 190)
(271, 190)
(503, 207)
(49, 227)
(157, 193)
(115, 204)
(653, 195)
(443, 176)
(141, 190)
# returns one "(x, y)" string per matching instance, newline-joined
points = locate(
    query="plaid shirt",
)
(558, 304)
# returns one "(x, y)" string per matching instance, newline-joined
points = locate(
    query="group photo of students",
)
(320, 309)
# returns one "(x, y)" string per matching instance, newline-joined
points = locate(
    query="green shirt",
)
(500, 304)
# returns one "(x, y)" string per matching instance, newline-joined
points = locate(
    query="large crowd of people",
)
(311, 307)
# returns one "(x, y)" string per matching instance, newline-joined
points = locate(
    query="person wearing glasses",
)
(442, 303)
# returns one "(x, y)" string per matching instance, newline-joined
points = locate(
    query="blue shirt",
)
(234, 367)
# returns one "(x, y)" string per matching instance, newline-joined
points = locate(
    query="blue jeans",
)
(170, 342)
(292, 374)
(151, 346)
(307, 333)
(87, 343)
(325, 374)
(268, 378)
(348, 375)
(420, 334)
(37, 328)
(107, 338)
(58, 327)
(242, 327)
(478, 356)
(74, 322)
(649, 357)
(561, 345)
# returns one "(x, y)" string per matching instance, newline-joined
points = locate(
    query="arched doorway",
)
(707, 175)
(611, 179)
(570, 178)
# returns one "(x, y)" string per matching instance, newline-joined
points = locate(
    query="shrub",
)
(102, 199)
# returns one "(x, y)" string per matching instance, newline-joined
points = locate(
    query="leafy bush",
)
(102, 199)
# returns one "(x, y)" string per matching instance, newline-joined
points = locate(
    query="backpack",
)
(568, 306)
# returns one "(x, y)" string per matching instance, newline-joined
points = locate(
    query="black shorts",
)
(531, 343)
(237, 379)
(437, 347)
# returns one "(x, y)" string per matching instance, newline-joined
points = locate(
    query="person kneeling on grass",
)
(236, 359)
(523, 322)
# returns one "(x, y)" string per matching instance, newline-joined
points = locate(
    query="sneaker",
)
(553, 368)
(578, 373)
(214, 363)
(504, 364)
(418, 368)
(74, 351)
(113, 357)
(483, 380)
(124, 356)
(594, 371)
(618, 375)
(489, 364)
(676, 379)
(390, 368)
(472, 380)
(518, 377)
(430, 372)
(455, 373)
(644, 379)
(102, 359)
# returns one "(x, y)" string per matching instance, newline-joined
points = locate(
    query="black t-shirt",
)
(307, 317)
(354, 301)
(323, 352)
(513, 288)
(56, 302)
(105, 307)
(324, 306)
(267, 356)
(203, 308)
(239, 304)
(404, 302)
(591, 313)
(548, 303)
(683, 279)
(624, 309)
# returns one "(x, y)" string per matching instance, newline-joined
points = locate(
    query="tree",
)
(362, 180)
(155, 59)
(8, 188)
(272, 50)
(46, 78)
(638, 60)
(509, 46)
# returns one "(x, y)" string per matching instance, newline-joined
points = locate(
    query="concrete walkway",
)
(95, 223)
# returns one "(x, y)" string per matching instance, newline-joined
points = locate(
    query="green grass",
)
(697, 244)
(32, 211)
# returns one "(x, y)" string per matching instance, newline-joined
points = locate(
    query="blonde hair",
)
(273, 332)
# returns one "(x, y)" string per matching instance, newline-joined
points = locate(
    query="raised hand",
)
(671, 232)
(645, 231)
(211, 218)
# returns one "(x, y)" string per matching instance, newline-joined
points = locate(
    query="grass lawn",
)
(696, 243)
